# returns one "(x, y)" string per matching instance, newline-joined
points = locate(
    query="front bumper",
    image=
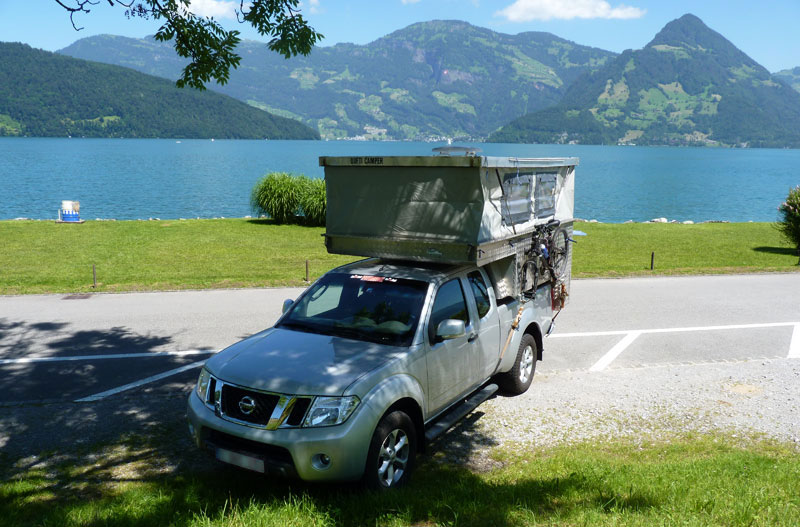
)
(293, 451)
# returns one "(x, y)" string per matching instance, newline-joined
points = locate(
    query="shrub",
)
(278, 195)
(789, 224)
(313, 202)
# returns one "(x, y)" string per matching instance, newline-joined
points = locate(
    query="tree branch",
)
(203, 40)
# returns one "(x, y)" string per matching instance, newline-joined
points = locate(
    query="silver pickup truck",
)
(469, 258)
(372, 361)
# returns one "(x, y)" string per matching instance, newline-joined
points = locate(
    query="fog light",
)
(321, 461)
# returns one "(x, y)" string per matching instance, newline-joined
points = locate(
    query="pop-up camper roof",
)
(458, 209)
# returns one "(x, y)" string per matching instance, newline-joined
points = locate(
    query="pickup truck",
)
(369, 364)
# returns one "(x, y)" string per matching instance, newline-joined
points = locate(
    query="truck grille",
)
(263, 404)
(260, 409)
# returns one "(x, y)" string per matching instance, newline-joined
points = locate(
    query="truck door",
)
(487, 325)
(451, 363)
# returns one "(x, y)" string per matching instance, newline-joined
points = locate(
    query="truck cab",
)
(366, 341)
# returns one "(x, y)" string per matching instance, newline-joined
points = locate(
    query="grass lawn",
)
(708, 480)
(43, 257)
(626, 249)
(39, 257)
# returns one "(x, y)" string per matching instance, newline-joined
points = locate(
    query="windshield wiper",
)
(344, 331)
(297, 326)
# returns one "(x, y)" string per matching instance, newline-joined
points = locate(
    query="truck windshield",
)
(378, 309)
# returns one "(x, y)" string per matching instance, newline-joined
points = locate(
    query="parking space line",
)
(794, 347)
(614, 352)
(673, 330)
(27, 360)
(142, 382)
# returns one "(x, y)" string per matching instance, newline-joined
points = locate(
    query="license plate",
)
(240, 460)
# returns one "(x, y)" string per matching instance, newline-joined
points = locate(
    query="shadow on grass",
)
(268, 221)
(785, 251)
(262, 221)
(210, 493)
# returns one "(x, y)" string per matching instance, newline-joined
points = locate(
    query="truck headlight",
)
(202, 384)
(329, 411)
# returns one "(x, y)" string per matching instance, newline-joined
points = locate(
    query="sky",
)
(767, 30)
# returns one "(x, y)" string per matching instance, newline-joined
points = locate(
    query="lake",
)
(165, 178)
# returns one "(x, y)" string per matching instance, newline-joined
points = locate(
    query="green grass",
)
(707, 480)
(43, 257)
(39, 256)
(613, 250)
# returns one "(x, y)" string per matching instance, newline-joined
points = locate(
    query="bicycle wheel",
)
(559, 252)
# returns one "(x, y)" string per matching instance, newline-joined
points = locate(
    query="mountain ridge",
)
(688, 86)
(440, 78)
(49, 95)
(790, 76)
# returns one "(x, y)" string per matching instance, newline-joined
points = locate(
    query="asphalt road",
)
(57, 349)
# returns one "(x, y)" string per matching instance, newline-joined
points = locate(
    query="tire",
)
(518, 379)
(559, 252)
(392, 452)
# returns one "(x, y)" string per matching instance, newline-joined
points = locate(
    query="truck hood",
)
(293, 362)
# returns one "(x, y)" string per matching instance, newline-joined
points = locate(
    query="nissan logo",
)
(247, 405)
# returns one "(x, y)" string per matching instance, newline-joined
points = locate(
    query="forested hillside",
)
(688, 86)
(790, 77)
(46, 94)
(431, 79)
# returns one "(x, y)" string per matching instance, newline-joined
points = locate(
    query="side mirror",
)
(451, 329)
(286, 305)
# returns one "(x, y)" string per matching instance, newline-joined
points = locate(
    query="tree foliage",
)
(211, 48)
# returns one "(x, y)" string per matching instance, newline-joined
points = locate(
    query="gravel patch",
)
(757, 398)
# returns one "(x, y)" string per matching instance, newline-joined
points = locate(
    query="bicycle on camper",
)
(546, 260)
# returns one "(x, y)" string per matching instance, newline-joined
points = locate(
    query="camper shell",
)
(465, 209)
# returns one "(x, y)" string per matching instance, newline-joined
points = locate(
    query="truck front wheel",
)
(391, 452)
(518, 379)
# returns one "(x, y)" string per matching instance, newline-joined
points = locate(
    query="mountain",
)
(45, 94)
(688, 86)
(439, 78)
(790, 77)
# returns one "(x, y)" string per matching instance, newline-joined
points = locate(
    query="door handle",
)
(472, 337)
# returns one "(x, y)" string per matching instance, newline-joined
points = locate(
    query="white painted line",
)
(673, 330)
(794, 346)
(614, 352)
(142, 382)
(27, 360)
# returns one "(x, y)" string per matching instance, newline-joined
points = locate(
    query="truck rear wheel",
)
(518, 379)
(391, 452)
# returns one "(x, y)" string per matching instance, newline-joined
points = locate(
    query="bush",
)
(287, 198)
(313, 202)
(789, 224)
(278, 196)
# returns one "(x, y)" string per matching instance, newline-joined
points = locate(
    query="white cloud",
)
(214, 8)
(409, 1)
(314, 7)
(527, 10)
